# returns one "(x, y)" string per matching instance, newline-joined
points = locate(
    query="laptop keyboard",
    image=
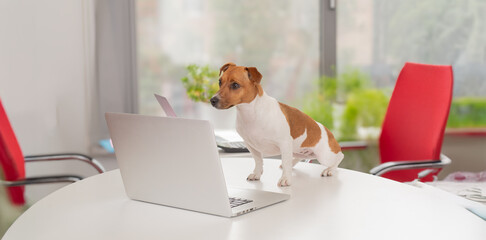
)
(235, 202)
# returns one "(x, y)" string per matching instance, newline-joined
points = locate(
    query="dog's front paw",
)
(328, 172)
(253, 177)
(283, 182)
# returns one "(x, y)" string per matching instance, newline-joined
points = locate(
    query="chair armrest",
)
(401, 165)
(353, 145)
(67, 156)
(41, 180)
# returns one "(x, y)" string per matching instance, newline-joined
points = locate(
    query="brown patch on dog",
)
(333, 143)
(248, 78)
(299, 122)
(259, 90)
(255, 76)
(225, 67)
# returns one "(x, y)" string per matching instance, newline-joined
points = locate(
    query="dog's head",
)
(237, 84)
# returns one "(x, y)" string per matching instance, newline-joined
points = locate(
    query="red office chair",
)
(13, 162)
(414, 125)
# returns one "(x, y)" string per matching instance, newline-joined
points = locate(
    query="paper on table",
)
(474, 207)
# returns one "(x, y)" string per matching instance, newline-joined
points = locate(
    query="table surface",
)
(349, 205)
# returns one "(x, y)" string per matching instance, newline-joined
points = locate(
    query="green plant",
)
(365, 108)
(200, 82)
(319, 108)
(362, 105)
(353, 80)
(467, 112)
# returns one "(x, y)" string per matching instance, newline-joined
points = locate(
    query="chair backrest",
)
(11, 158)
(414, 124)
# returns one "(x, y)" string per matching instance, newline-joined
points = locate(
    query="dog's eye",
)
(235, 86)
(220, 82)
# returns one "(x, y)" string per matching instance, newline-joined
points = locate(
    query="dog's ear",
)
(225, 67)
(253, 74)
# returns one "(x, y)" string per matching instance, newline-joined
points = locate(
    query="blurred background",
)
(63, 64)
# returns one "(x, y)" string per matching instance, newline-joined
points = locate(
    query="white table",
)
(349, 205)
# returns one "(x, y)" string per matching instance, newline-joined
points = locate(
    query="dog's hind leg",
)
(331, 161)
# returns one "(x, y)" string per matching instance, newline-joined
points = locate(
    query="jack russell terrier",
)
(270, 128)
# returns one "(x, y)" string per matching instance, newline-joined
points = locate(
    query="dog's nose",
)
(214, 101)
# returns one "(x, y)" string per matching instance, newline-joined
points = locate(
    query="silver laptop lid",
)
(169, 161)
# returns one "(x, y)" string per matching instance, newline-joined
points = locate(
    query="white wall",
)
(47, 81)
(44, 73)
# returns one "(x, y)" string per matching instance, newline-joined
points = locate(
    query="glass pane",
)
(280, 38)
(378, 36)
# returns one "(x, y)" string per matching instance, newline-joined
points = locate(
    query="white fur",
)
(266, 132)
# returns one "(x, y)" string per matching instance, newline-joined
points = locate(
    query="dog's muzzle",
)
(214, 101)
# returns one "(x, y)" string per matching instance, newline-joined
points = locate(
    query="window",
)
(378, 36)
(280, 38)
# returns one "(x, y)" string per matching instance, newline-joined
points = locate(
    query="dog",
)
(270, 128)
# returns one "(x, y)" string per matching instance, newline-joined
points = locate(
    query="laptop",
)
(227, 146)
(164, 103)
(174, 162)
